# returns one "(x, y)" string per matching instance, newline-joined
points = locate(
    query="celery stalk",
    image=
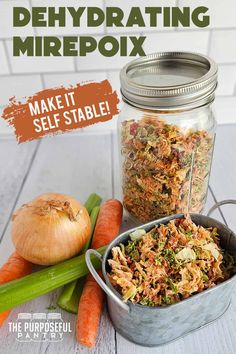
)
(66, 293)
(92, 201)
(71, 304)
(69, 298)
(93, 219)
(19, 291)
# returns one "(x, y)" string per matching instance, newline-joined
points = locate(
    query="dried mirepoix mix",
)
(169, 263)
(165, 169)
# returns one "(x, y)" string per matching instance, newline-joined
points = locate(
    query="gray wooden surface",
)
(79, 165)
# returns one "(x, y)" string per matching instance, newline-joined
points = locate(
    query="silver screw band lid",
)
(169, 80)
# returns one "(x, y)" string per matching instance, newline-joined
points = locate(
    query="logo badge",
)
(39, 327)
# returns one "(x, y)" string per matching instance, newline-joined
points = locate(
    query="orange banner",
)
(61, 109)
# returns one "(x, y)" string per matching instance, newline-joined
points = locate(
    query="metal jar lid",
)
(170, 80)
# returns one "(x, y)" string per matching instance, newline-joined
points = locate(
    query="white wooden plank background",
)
(79, 165)
(15, 162)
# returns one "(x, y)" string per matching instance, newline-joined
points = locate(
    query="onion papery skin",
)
(50, 229)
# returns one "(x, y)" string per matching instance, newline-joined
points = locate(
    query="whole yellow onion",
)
(51, 228)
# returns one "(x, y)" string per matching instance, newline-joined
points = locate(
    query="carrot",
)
(89, 312)
(91, 301)
(15, 267)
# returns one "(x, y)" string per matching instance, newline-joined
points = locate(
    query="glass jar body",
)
(165, 160)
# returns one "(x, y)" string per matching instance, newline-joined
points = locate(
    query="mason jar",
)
(166, 133)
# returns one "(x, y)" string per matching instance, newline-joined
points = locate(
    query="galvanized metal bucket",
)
(154, 326)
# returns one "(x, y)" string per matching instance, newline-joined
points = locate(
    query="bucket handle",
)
(218, 204)
(99, 280)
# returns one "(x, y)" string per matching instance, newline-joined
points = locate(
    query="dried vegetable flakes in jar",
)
(165, 169)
